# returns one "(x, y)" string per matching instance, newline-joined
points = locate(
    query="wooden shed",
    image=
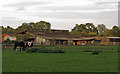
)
(108, 40)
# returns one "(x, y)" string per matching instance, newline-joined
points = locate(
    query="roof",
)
(114, 37)
(58, 30)
(57, 34)
(63, 37)
(5, 34)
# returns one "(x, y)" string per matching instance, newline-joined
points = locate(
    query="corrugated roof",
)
(63, 37)
(114, 37)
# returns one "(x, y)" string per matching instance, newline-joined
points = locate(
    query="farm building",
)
(108, 40)
(53, 37)
(62, 37)
(6, 36)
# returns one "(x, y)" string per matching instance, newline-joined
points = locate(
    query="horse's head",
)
(29, 44)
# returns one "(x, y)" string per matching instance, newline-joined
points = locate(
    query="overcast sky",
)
(62, 14)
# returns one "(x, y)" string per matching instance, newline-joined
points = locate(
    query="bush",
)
(50, 51)
(87, 51)
(96, 52)
(32, 50)
(42, 50)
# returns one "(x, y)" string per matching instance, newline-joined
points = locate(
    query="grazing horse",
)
(20, 44)
(23, 45)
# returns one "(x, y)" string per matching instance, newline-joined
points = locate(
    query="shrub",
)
(50, 51)
(87, 51)
(32, 50)
(42, 50)
(95, 52)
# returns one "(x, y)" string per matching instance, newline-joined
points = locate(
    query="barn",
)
(53, 37)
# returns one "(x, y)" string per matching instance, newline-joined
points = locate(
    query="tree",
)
(32, 24)
(85, 30)
(107, 32)
(101, 28)
(91, 28)
(116, 31)
(76, 33)
(84, 33)
(78, 30)
(42, 25)
(8, 30)
(91, 34)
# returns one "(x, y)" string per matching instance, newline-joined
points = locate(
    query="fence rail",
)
(69, 47)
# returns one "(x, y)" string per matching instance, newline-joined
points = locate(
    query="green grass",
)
(73, 60)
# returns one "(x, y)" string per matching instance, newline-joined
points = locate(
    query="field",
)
(73, 60)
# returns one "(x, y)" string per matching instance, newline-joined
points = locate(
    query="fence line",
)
(80, 47)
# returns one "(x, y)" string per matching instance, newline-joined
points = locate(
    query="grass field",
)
(73, 60)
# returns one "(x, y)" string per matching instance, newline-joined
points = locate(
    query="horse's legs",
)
(15, 47)
(20, 48)
(23, 48)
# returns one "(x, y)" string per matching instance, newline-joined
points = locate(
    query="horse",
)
(23, 45)
(20, 44)
(29, 44)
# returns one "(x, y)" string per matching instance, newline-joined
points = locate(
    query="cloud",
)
(21, 8)
(14, 22)
(106, 3)
(11, 21)
(25, 4)
(76, 8)
(9, 18)
(93, 7)
(75, 15)
(60, 12)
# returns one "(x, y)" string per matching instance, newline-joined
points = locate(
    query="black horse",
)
(23, 45)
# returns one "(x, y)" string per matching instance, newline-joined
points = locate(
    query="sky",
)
(62, 14)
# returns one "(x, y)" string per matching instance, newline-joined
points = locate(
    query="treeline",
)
(90, 30)
(27, 26)
(82, 30)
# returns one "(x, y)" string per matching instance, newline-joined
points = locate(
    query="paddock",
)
(73, 60)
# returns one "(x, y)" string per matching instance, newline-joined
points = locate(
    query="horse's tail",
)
(15, 46)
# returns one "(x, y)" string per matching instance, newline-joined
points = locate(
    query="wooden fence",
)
(86, 47)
